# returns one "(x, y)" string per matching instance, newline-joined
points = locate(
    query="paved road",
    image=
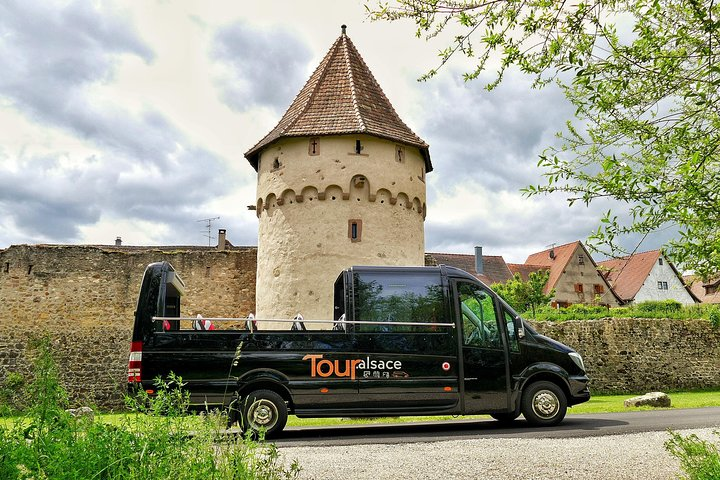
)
(574, 426)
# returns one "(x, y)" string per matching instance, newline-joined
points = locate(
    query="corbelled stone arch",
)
(271, 203)
(384, 196)
(359, 188)
(403, 200)
(417, 205)
(288, 197)
(333, 193)
(309, 194)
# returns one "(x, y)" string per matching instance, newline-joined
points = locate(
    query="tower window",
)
(276, 163)
(358, 147)
(314, 146)
(399, 153)
(355, 230)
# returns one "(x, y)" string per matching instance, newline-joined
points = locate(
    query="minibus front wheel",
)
(544, 404)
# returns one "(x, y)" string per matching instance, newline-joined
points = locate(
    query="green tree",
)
(643, 76)
(524, 296)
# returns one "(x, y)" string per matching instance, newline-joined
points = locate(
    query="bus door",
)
(485, 362)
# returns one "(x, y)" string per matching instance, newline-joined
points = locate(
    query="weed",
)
(12, 394)
(158, 440)
(700, 459)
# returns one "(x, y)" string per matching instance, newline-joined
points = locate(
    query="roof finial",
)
(344, 27)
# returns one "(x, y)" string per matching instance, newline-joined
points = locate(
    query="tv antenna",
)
(207, 232)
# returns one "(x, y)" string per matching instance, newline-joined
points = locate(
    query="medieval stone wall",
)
(84, 298)
(641, 355)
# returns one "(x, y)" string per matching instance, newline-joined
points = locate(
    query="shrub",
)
(714, 317)
(12, 394)
(159, 440)
(698, 458)
(658, 306)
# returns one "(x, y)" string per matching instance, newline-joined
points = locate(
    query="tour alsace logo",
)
(322, 367)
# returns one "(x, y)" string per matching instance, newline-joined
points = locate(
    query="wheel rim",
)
(262, 414)
(545, 404)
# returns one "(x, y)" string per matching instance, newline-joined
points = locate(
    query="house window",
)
(598, 289)
(709, 290)
(579, 288)
(355, 230)
(662, 285)
(660, 260)
(581, 259)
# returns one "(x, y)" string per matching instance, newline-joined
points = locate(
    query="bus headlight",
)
(577, 359)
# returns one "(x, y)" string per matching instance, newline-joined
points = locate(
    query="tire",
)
(544, 404)
(263, 411)
(505, 417)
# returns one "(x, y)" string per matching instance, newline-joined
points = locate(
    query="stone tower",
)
(341, 182)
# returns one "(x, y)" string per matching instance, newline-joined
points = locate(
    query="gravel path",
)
(631, 456)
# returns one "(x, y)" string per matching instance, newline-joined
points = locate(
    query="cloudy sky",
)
(130, 119)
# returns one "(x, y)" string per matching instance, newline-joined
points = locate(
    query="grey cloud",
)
(267, 68)
(145, 167)
(491, 137)
(47, 202)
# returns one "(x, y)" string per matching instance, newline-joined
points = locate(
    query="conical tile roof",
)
(341, 97)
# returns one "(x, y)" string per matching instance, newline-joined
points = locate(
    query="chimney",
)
(118, 242)
(478, 260)
(221, 239)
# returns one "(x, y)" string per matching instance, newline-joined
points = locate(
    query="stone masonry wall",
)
(641, 355)
(84, 298)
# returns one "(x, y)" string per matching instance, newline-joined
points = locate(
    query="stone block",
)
(652, 399)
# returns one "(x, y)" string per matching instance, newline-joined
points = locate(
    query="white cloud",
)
(133, 122)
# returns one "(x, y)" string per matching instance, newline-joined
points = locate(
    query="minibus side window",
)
(393, 300)
(512, 334)
(480, 326)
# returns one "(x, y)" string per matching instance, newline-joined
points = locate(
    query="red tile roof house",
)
(574, 276)
(646, 276)
(706, 292)
(488, 269)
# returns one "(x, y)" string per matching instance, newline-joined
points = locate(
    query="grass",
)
(157, 440)
(597, 404)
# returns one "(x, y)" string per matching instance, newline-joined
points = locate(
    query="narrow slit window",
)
(314, 146)
(355, 230)
(358, 147)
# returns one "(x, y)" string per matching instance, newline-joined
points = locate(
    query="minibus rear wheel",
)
(264, 411)
(544, 404)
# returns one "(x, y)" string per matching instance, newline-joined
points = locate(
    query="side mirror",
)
(520, 327)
